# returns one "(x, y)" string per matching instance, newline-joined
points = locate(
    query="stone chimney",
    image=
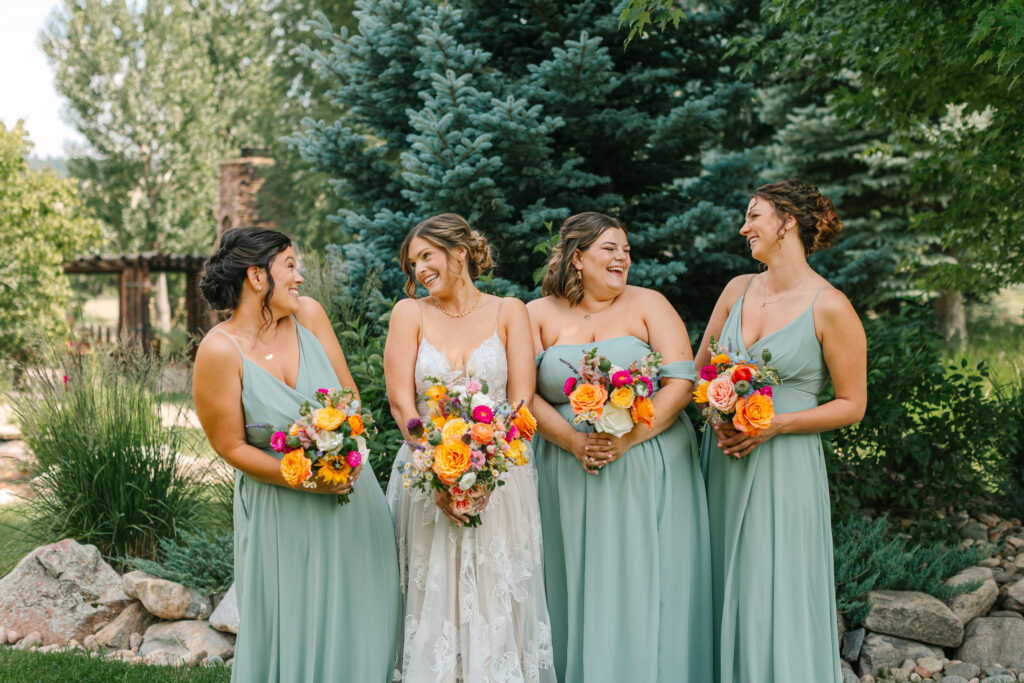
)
(239, 181)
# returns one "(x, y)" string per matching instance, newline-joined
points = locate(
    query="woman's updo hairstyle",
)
(239, 249)
(448, 232)
(815, 214)
(579, 231)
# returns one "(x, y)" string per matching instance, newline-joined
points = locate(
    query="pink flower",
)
(513, 433)
(277, 441)
(473, 386)
(765, 391)
(570, 384)
(650, 387)
(483, 414)
(323, 391)
(478, 459)
(354, 459)
(622, 378)
(65, 380)
(708, 372)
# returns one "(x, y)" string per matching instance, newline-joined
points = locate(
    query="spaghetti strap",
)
(753, 277)
(233, 341)
(817, 293)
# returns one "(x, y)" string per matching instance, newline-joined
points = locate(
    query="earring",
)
(259, 290)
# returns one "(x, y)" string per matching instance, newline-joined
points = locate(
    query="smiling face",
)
(605, 263)
(432, 267)
(284, 268)
(762, 228)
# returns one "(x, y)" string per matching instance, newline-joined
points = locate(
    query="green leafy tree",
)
(44, 225)
(516, 114)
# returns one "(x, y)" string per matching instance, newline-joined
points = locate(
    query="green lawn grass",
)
(18, 666)
(995, 335)
(14, 542)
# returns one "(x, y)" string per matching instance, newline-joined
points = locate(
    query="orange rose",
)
(721, 359)
(622, 397)
(700, 394)
(753, 414)
(454, 429)
(328, 418)
(588, 396)
(525, 422)
(296, 467)
(482, 433)
(643, 411)
(356, 423)
(451, 459)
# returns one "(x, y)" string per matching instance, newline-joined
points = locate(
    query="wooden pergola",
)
(133, 288)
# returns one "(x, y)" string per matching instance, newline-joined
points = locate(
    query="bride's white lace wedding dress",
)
(475, 609)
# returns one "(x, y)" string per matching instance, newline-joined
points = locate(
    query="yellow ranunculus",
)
(622, 397)
(454, 429)
(700, 394)
(721, 359)
(296, 467)
(328, 418)
(331, 475)
(517, 452)
(437, 391)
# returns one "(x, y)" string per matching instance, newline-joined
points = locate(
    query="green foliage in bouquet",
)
(930, 429)
(201, 560)
(865, 560)
(108, 470)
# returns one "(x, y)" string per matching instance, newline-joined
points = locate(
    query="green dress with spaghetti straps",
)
(317, 582)
(626, 552)
(771, 533)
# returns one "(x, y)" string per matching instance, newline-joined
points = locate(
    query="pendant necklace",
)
(784, 294)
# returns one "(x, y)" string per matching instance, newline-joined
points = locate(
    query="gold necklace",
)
(457, 315)
(784, 294)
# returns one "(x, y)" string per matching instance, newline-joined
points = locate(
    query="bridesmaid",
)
(775, 609)
(317, 583)
(625, 519)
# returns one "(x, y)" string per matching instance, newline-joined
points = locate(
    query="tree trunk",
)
(162, 304)
(950, 316)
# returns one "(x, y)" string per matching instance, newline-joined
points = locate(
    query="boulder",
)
(852, 642)
(914, 616)
(966, 670)
(993, 640)
(1013, 597)
(978, 602)
(184, 642)
(61, 591)
(881, 653)
(135, 619)
(166, 599)
(225, 617)
(974, 531)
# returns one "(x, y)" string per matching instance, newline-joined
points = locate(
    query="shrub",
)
(865, 561)
(108, 470)
(203, 560)
(1010, 395)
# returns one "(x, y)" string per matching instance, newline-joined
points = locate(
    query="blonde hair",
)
(579, 231)
(448, 231)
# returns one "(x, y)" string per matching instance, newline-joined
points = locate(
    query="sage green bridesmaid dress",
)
(317, 582)
(626, 552)
(771, 533)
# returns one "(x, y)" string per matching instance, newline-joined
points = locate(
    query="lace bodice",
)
(487, 363)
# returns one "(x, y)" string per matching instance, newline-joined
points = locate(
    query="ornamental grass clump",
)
(108, 471)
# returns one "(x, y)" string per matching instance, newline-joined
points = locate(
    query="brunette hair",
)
(224, 271)
(448, 231)
(815, 214)
(579, 231)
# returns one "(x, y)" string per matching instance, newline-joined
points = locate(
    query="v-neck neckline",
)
(298, 369)
(739, 323)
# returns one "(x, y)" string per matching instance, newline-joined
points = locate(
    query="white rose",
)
(614, 420)
(481, 399)
(327, 441)
(361, 447)
(467, 481)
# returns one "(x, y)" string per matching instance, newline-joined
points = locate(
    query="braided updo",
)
(238, 250)
(815, 214)
(579, 231)
(448, 231)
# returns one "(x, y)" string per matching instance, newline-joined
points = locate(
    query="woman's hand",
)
(446, 503)
(335, 489)
(607, 448)
(586, 448)
(736, 444)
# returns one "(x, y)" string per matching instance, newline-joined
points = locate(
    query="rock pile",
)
(65, 597)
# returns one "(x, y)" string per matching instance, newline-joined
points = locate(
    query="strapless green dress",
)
(771, 533)
(626, 552)
(317, 582)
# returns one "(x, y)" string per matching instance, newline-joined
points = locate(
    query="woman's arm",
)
(217, 392)
(314, 318)
(522, 374)
(400, 349)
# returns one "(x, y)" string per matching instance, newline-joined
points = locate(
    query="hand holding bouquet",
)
(737, 390)
(325, 443)
(610, 398)
(466, 443)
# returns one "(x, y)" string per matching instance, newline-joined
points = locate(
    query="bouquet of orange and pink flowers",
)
(326, 442)
(737, 390)
(466, 443)
(611, 398)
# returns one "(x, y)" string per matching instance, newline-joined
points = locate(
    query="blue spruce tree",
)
(517, 114)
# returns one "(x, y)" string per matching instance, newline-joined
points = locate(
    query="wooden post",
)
(133, 325)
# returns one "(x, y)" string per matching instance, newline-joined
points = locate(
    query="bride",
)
(474, 600)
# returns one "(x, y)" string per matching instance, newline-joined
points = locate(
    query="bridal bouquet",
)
(466, 443)
(738, 390)
(611, 398)
(326, 442)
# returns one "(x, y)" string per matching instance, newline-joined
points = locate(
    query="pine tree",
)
(517, 114)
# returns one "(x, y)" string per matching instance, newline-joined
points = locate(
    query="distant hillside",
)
(58, 164)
